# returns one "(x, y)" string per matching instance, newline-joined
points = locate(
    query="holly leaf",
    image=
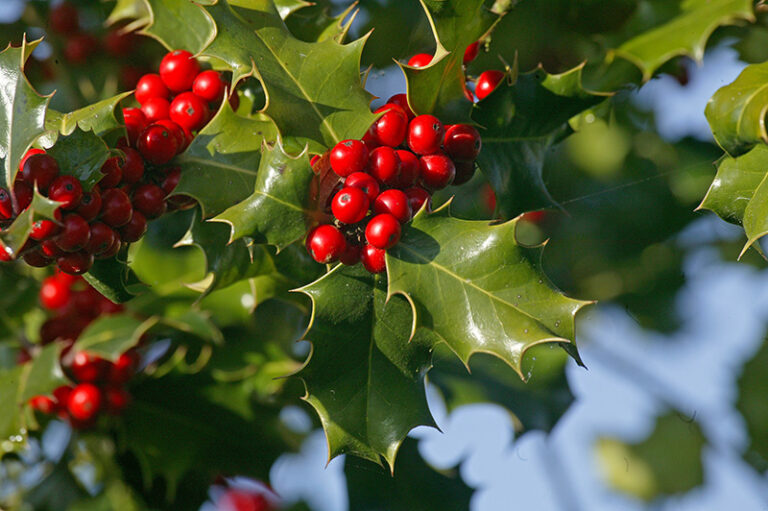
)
(275, 212)
(316, 23)
(364, 378)
(752, 385)
(519, 124)
(81, 154)
(114, 279)
(98, 118)
(287, 7)
(737, 111)
(476, 288)
(684, 33)
(18, 232)
(666, 463)
(178, 24)
(39, 376)
(219, 167)
(22, 110)
(110, 336)
(439, 88)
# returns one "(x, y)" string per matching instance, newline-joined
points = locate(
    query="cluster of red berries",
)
(98, 384)
(392, 172)
(486, 82)
(255, 496)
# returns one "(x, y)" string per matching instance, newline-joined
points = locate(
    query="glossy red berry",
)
(401, 100)
(420, 60)
(75, 263)
(325, 243)
(157, 145)
(471, 52)
(84, 402)
(464, 172)
(43, 229)
(189, 111)
(409, 168)
(425, 134)
(90, 205)
(54, 293)
(150, 200)
(151, 86)
(124, 368)
(35, 258)
(351, 254)
(113, 174)
(135, 229)
(209, 86)
(350, 205)
(394, 202)
(6, 255)
(64, 18)
(87, 367)
(155, 109)
(6, 204)
(50, 249)
(117, 400)
(67, 190)
(384, 165)
(365, 182)
(178, 70)
(23, 193)
(40, 168)
(348, 156)
(462, 142)
(61, 393)
(171, 180)
(43, 404)
(437, 171)
(373, 259)
(487, 82)
(111, 251)
(116, 208)
(178, 132)
(417, 196)
(30, 152)
(383, 231)
(135, 123)
(390, 129)
(75, 233)
(102, 238)
(132, 169)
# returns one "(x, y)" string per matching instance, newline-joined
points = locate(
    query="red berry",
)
(30, 152)
(348, 156)
(151, 86)
(420, 60)
(350, 205)
(135, 229)
(417, 197)
(171, 180)
(351, 254)
(464, 172)
(54, 293)
(90, 205)
(84, 402)
(401, 100)
(86, 367)
(395, 203)
(36, 258)
(325, 243)
(64, 18)
(112, 173)
(111, 251)
(102, 238)
(437, 171)
(425, 134)
(117, 399)
(116, 209)
(75, 263)
(409, 168)
(23, 193)
(373, 259)
(384, 165)
(471, 52)
(390, 129)
(44, 229)
(61, 394)
(178, 132)
(208, 85)
(462, 142)
(157, 145)
(487, 82)
(124, 367)
(43, 404)
(189, 111)
(67, 190)
(135, 123)
(132, 169)
(155, 109)
(315, 158)
(178, 70)
(75, 234)
(50, 249)
(383, 231)
(40, 168)
(79, 47)
(150, 200)
(240, 500)
(234, 101)
(365, 182)
(6, 205)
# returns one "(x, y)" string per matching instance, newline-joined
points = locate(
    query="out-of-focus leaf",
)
(752, 386)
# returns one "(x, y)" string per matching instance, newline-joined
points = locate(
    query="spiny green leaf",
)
(98, 118)
(439, 88)
(684, 34)
(22, 110)
(752, 386)
(114, 279)
(364, 378)
(179, 24)
(475, 287)
(136, 10)
(287, 7)
(666, 463)
(220, 168)
(519, 123)
(81, 154)
(18, 232)
(315, 24)
(109, 336)
(736, 112)
(275, 213)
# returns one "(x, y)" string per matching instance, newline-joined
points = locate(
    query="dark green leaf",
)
(752, 387)
(315, 23)
(81, 154)
(114, 279)
(364, 378)
(110, 336)
(179, 24)
(18, 232)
